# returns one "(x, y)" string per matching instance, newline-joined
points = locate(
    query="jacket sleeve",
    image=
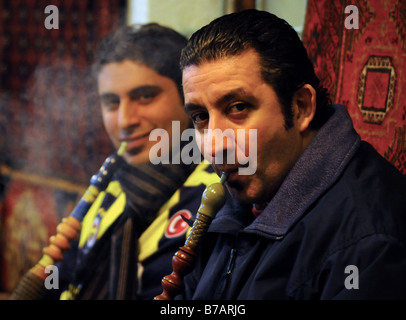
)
(372, 268)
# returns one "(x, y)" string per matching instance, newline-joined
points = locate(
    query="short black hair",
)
(284, 61)
(156, 46)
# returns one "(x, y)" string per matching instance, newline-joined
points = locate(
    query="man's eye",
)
(199, 118)
(110, 104)
(239, 111)
(238, 107)
(144, 97)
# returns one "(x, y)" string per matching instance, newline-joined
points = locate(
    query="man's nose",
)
(219, 142)
(129, 114)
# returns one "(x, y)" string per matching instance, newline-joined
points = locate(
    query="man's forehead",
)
(248, 58)
(235, 72)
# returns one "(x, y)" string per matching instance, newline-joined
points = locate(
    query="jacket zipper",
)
(230, 263)
(223, 284)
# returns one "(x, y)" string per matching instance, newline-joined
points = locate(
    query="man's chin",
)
(239, 193)
(136, 159)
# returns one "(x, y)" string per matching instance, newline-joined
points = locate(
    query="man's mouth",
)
(232, 171)
(136, 142)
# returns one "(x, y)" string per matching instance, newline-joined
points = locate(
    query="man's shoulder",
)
(367, 163)
(371, 193)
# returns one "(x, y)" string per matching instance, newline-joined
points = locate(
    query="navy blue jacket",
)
(336, 229)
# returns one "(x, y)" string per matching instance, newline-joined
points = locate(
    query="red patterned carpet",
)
(364, 68)
(51, 134)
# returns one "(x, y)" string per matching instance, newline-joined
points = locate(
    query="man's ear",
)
(304, 106)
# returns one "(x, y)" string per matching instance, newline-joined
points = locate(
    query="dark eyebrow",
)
(190, 107)
(143, 89)
(132, 92)
(105, 96)
(232, 95)
(229, 96)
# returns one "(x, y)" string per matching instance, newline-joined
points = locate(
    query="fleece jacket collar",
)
(316, 170)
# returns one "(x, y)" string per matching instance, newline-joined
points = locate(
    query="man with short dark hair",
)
(135, 226)
(324, 215)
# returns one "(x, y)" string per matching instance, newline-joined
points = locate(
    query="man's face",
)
(135, 100)
(230, 93)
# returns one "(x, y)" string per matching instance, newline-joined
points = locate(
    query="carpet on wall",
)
(364, 67)
(52, 137)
